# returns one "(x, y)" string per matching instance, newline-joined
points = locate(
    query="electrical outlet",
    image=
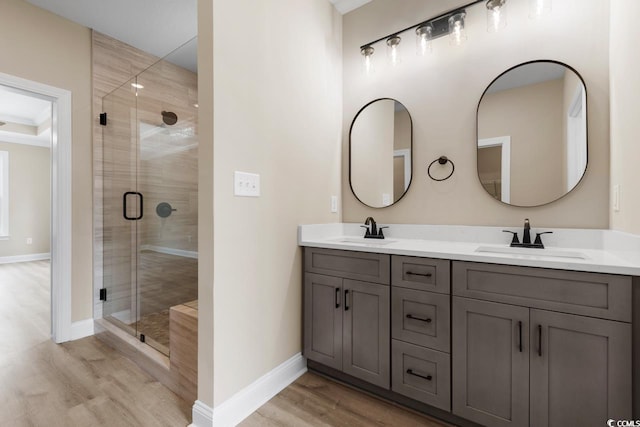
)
(246, 184)
(334, 204)
(29, 241)
(386, 199)
(616, 198)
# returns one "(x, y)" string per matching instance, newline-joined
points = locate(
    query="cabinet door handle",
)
(418, 274)
(412, 317)
(520, 336)
(346, 302)
(540, 340)
(428, 377)
(337, 297)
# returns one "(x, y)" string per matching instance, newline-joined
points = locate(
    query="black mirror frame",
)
(351, 152)
(586, 168)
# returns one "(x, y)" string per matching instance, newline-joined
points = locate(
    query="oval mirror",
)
(380, 152)
(532, 134)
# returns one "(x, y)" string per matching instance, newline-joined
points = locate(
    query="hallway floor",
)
(81, 383)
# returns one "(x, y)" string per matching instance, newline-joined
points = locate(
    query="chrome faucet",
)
(373, 231)
(526, 237)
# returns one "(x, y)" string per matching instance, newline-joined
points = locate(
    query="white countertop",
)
(602, 251)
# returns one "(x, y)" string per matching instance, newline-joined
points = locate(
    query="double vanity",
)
(453, 322)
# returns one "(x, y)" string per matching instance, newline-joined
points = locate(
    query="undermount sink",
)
(553, 253)
(363, 241)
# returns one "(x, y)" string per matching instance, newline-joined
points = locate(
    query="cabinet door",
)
(490, 362)
(366, 337)
(323, 319)
(580, 370)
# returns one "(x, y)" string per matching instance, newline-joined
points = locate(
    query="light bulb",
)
(496, 15)
(539, 8)
(424, 34)
(367, 59)
(457, 33)
(393, 50)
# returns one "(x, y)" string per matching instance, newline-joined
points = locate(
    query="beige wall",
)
(442, 92)
(278, 112)
(43, 47)
(532, 116)
(371, 139)
(625, 126)
(29, 200)
(205, 202)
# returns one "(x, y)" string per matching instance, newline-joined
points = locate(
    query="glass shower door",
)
(122, 203)
(168, 177)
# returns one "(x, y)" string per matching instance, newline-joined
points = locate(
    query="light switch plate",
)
(386, 199)
(246, 184)
(616, 198)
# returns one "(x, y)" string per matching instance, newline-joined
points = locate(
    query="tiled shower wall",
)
(166, 171)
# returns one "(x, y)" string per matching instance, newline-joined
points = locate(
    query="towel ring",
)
(443, 160)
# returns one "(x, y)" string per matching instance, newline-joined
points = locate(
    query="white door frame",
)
(406, 158)
(505, 143)
(60, 201)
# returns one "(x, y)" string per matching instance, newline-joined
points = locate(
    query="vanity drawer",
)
(423, 274)
(605, 296)
(421, 318)
(363, 266)
(421, 374)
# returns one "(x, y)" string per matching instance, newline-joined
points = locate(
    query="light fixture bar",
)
(436, 33)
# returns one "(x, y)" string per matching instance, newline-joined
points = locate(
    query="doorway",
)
(60, 196)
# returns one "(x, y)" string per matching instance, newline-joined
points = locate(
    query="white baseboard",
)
(81, 329)
(248, 400)
(170, 251)
(24, 258)
(202, 415)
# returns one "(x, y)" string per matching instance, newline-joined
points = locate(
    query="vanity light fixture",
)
(424, 35)
(496, 15)
(539, 8)
(457, 33)
(367, 59)
(393, 50)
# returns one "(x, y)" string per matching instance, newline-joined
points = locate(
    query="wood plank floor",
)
(316, 401)
(81, 383)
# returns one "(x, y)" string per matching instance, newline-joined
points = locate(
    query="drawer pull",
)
(428, 377)
(346, 302)
(337, 297)
(419, 274)
(412, 317)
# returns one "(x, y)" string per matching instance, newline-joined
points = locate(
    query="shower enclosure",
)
(150, 197)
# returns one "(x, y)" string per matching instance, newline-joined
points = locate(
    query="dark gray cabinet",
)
(580, 370)
(366, 342)
(522, 365)
(490, 362)
(323, 319)
(347, 322)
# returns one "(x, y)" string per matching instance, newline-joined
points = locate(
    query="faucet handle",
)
(380, 231)
(538, 240)
(515, 240)
(368, 233)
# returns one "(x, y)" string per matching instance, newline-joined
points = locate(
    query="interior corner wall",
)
(29, 200)
(625, 126)
(40, 46)
(278, 113)
(442, 91)
(205, 202)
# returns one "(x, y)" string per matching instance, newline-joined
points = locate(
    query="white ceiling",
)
(346, 6)
(154, 26)
(27, 118)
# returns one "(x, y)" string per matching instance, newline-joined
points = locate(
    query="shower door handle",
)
(124, 205)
